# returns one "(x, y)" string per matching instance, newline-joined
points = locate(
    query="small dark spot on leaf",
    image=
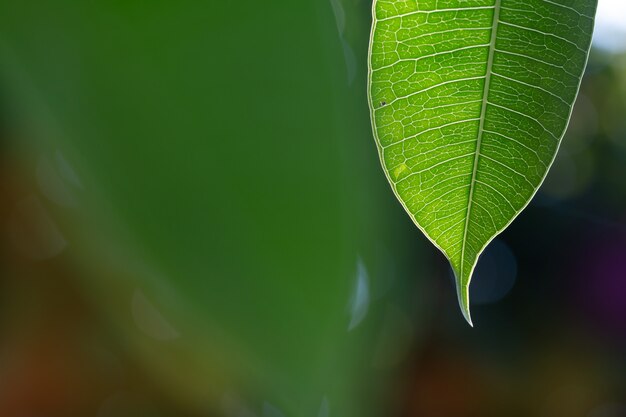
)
(383, 103)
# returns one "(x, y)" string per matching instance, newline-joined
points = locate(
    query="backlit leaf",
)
(469, 102)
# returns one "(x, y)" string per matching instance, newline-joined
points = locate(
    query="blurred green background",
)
(197, 225)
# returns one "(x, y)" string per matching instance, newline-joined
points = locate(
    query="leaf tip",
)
(464, 303)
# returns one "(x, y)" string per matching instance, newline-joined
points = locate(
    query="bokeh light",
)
(610, 31)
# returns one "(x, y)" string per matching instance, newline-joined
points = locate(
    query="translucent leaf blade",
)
(469, 102)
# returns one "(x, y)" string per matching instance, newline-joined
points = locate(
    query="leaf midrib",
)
(483, 110)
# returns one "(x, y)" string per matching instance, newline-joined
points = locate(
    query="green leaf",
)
(469, 102)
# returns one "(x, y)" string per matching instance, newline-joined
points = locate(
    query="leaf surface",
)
(469, 101)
